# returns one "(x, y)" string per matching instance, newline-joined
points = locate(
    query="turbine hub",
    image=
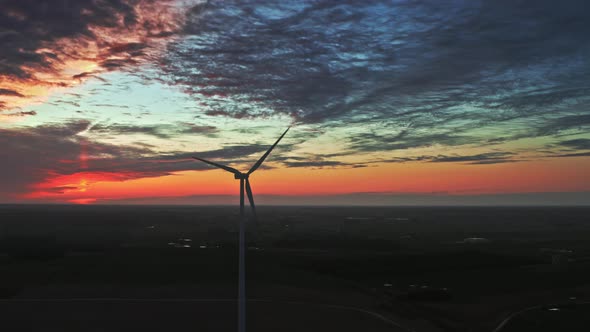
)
(241, 176)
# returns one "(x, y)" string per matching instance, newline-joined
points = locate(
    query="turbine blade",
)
(250, 196)
(261, 160)
(227, 168)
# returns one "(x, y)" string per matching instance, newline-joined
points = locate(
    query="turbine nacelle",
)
(241, 176)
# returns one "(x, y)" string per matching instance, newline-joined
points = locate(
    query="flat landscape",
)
(308, 268)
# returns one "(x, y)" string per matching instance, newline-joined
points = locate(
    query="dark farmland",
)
(306, 267)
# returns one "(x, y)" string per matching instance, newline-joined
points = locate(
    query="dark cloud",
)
(57, 130)
(315, 164)
(29, 155)
(478, 159)
(9, 92)
(577, 144)
(242, 114)
(228, 152)
(146, 163)
(113, 106)
(33, 155)
(196, 129)
(112, 64)
(128, 48)
(475, 159)
(159, 130)
(60, 189)
(579, 147)
(121, 129)
(447, 68)
(22, 113)
(85, 75)
(579, 154)
(314, 161)
(554, 126)
(406, 139)
(409, 74)
(41, 36)
(33, 24)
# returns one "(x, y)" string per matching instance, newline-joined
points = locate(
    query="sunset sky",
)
(390, 102)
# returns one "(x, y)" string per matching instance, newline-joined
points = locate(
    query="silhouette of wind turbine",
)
(244, 178)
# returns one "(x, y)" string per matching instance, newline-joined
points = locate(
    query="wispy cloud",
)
(157, 130)
(483, 158)
(9, 92)
(369, 82)
(32, 156)
(47, 45)
(577, 144)
(458, 72)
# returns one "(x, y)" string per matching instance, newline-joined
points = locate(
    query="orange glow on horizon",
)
(556, 175)
(82, 201)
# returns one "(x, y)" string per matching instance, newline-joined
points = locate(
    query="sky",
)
(389, 102)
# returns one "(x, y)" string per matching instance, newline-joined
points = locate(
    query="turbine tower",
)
(244, 179)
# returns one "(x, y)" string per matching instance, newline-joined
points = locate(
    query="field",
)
(428, 269)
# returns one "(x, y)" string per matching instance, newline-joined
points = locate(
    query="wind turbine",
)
(244, 179)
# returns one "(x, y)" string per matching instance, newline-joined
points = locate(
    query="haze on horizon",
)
(391, 102)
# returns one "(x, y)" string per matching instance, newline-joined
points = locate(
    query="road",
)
(511, 316)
